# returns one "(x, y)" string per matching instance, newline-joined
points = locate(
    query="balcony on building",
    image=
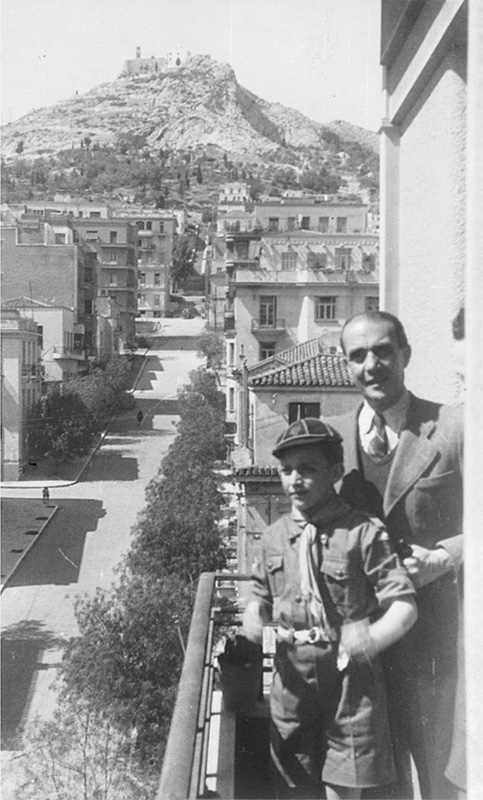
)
(218, 743)
(275, 326)
(61, 353)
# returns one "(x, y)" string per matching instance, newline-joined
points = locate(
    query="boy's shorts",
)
(328, 726)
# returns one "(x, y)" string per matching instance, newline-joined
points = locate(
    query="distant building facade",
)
(21, 388)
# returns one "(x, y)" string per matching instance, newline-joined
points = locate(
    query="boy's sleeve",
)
(259, 586)
(382, 565)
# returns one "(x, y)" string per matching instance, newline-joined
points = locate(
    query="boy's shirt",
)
(359, 573)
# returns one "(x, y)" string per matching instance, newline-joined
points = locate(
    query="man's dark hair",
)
(379, 316)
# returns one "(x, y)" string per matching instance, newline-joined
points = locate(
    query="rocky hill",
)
(198, 104)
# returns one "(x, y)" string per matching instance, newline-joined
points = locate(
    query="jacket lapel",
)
(414, 453)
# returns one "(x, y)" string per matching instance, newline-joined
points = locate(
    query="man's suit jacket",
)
(422, 504)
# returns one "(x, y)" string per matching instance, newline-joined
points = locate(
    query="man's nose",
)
(371, 360)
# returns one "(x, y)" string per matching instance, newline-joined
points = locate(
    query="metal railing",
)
(186, 762)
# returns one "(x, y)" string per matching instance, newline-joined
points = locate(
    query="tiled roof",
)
(298, 352)
(320, 370)
(23, 302)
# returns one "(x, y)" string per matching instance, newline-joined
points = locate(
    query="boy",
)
(330, 579)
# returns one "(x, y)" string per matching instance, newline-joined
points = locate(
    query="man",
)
(403, 463)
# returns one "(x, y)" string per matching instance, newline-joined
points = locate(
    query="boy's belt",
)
(309, 636)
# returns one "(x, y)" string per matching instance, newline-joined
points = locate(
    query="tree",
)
(211, 345)
(60, 426)
(20, 147)
(128, 657)
(182, 260)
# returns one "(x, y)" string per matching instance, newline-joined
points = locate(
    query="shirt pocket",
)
(336, 576)
(274, 565)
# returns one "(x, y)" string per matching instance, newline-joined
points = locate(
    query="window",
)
(142, 278)
(267, 350)
(302, 410)
(316, 260)
(91, 236)
(161, 226)
(231, 354)
(305, 223)
(289, 260)
(95, 214)
(324, 224)
(112, 257)
(325, 307)
(268, 311)
(113, 278)
(157, 279)
(371, 304)
(149, 225)
(341, 224)
(273, 223)
(231, 399)
(140, 225)
(368, 261)
(40, 331)
(113, 237)
(87, 306)
(343, 257)
(157, 299)
(60, 238)
(291, 223)
(142, 299)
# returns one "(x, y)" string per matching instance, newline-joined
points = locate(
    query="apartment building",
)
(284, 289)
(114, 242)
(286, 214)
(156, 232)
(21, 388)
(41, 261)
(62, 351)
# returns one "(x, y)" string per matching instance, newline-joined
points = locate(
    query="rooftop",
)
(319, 370)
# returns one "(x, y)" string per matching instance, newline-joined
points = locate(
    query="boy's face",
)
(307, 478)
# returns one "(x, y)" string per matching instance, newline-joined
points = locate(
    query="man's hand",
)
(425, 566)
(252, 626)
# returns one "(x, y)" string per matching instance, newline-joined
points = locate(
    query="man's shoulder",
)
(442, 415)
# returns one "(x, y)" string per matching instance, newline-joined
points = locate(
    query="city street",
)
(89, 533)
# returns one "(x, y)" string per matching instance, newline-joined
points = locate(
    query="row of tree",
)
(120, 675)
(65, 420)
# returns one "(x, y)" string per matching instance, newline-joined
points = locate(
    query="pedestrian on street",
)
(45, 496)
(404, 464)
(140, 417)
(339, 594)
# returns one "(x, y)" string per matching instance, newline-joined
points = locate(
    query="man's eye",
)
(358, 356)
(384, 352)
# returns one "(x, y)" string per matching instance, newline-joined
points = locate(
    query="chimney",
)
(138, 52)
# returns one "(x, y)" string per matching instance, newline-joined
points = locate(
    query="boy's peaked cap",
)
(310, 430)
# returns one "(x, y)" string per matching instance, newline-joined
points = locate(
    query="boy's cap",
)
(306, 431)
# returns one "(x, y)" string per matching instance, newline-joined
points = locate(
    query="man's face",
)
(307, 478)
(376, 361)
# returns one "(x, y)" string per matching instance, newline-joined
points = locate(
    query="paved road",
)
(89, 533)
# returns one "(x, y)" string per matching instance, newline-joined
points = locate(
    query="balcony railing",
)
(206, 751)
(261, 326)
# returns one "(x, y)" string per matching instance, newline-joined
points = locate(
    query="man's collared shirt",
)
(394, 419)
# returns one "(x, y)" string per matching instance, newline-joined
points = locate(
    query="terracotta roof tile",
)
(319, 370)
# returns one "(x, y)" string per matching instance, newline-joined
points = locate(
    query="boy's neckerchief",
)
(308, 554)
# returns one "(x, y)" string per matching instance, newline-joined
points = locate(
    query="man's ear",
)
(407, 354)
(337, 472)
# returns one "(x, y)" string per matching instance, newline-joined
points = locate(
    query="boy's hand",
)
(252, 626)
(357, 641)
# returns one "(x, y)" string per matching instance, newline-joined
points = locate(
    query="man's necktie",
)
(378, 444)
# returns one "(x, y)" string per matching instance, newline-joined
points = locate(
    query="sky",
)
(320, 57)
